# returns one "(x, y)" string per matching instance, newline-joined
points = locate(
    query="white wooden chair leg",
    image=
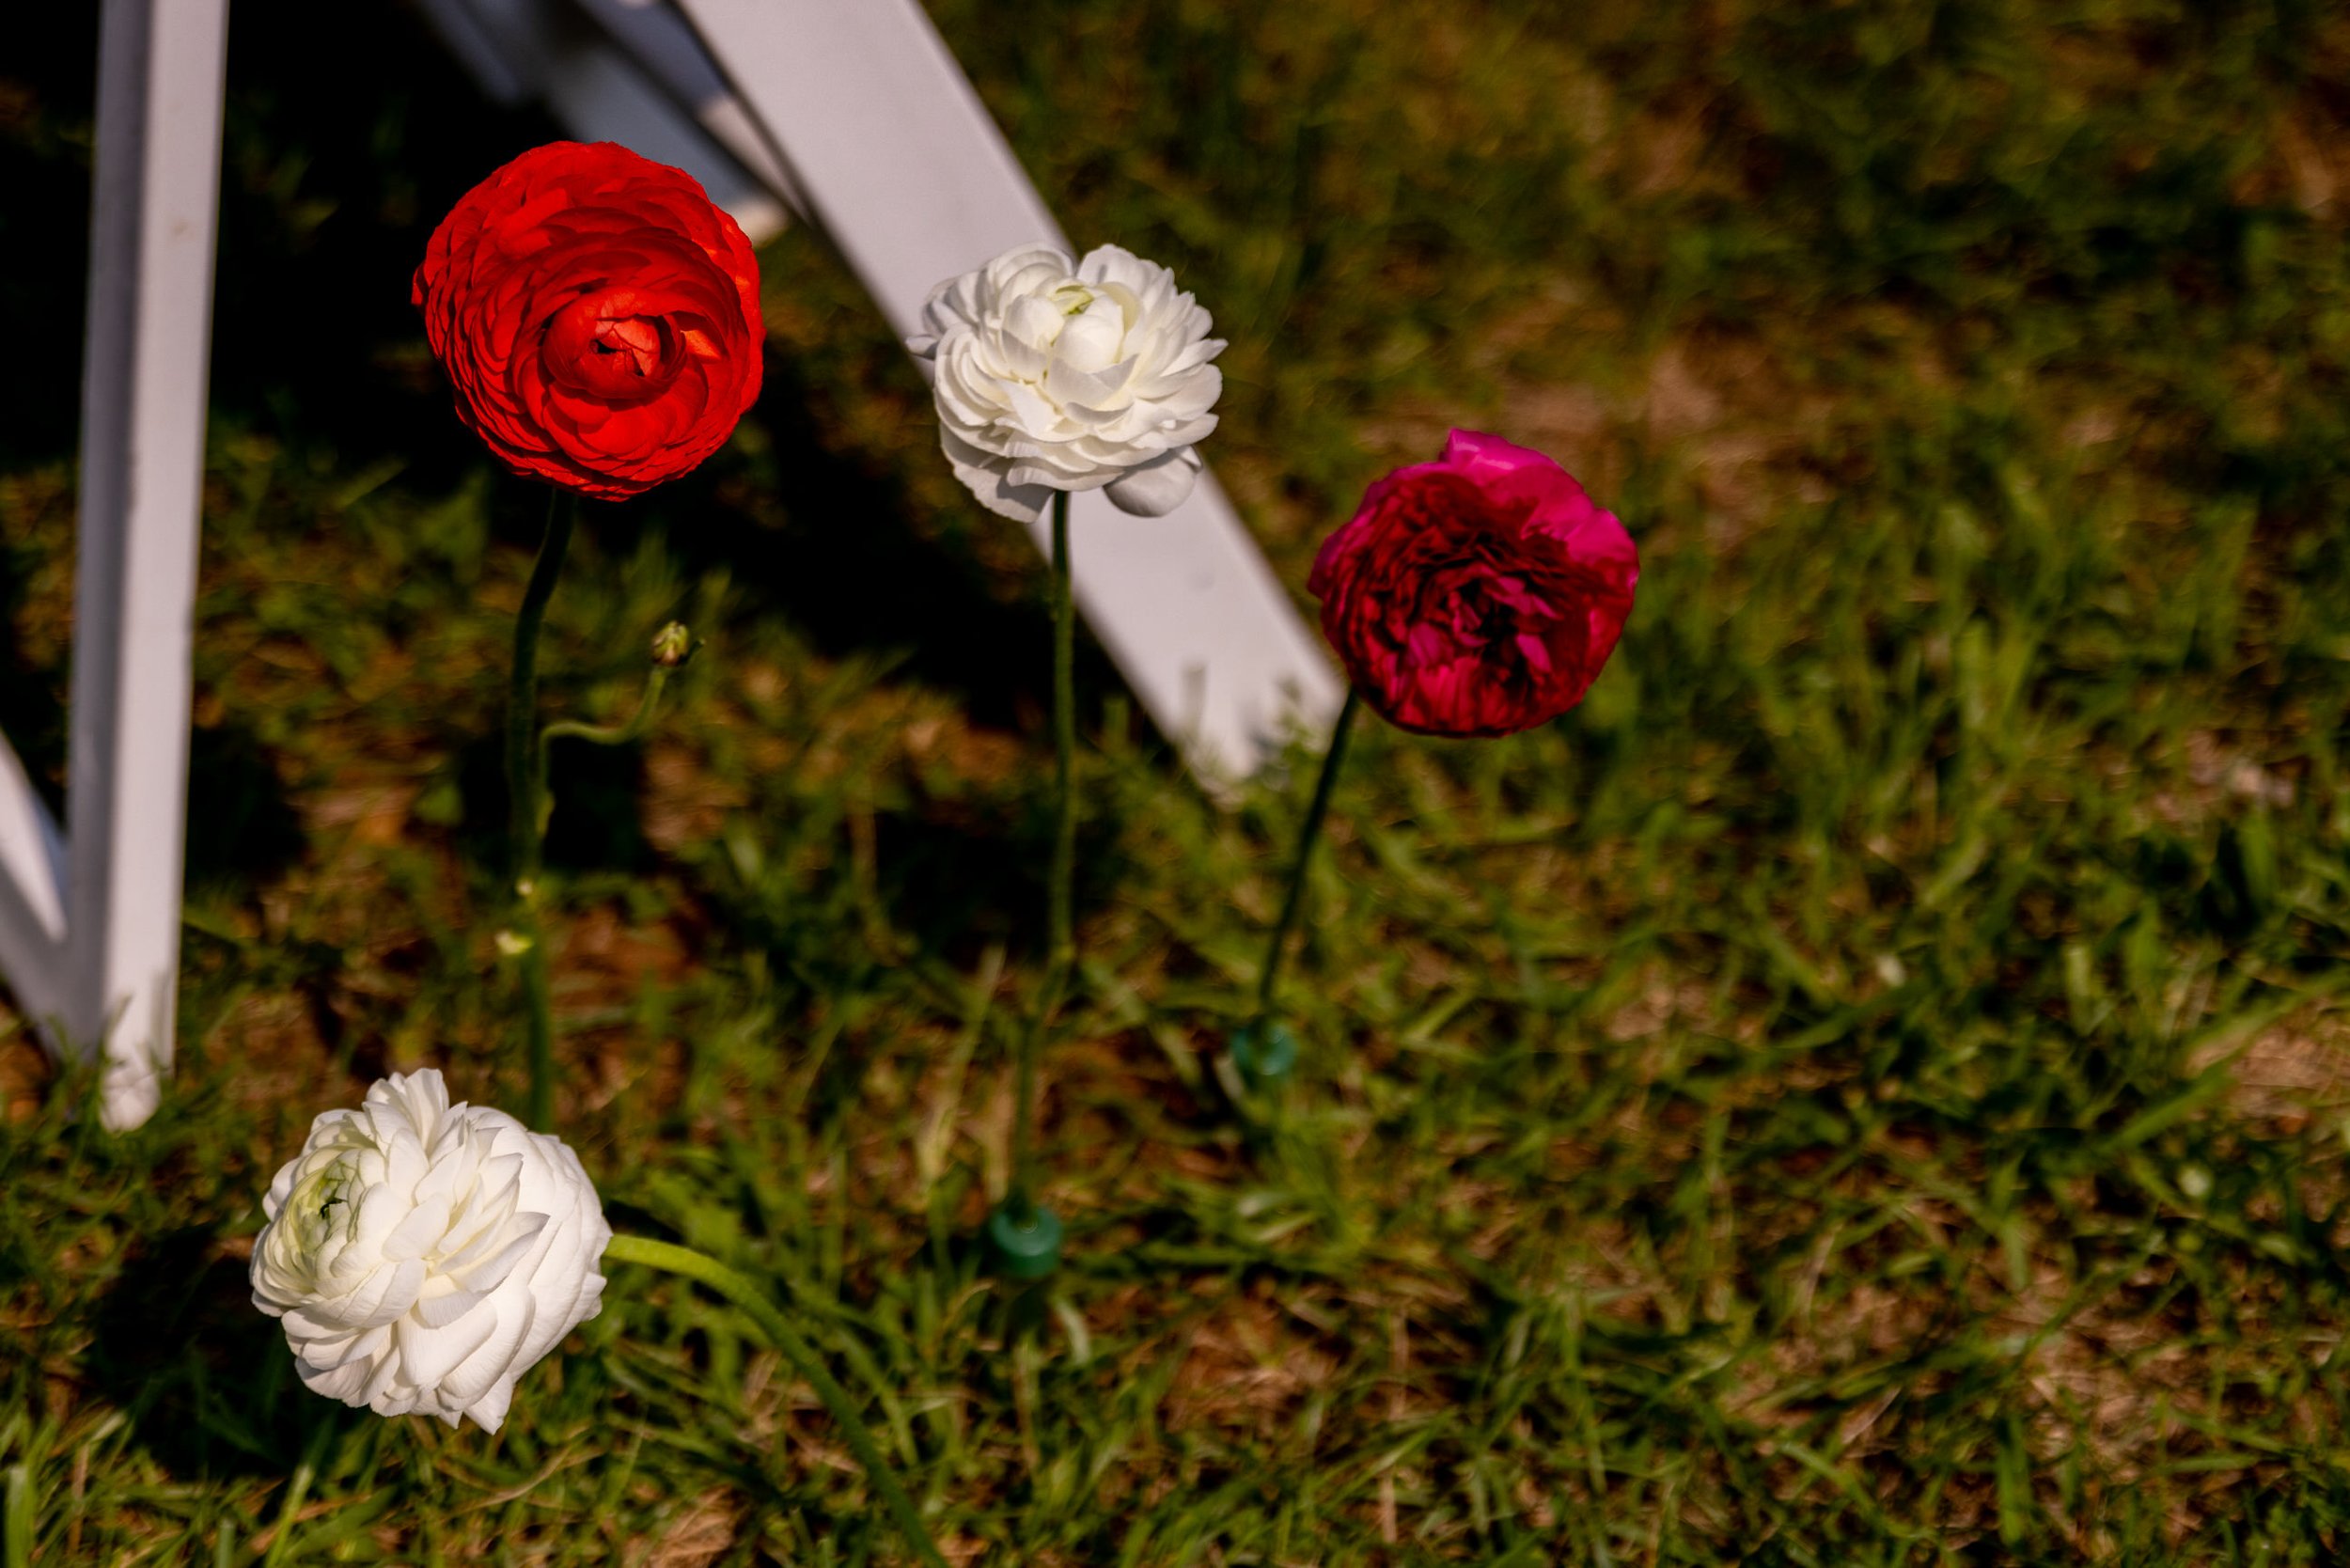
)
(161, 67)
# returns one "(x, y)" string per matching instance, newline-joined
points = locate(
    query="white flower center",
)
(1090, 331)
(314, 1203)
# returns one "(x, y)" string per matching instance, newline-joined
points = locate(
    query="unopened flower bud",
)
(671, 643)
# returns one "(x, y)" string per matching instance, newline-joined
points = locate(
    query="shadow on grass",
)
(849, 568)
(596, 824)
(32, 707)
(203, 1374)
(959, 875)
(243, 829)
(331, 182)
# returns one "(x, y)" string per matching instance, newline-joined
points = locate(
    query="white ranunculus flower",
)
(423, 1256)
(1057, 376)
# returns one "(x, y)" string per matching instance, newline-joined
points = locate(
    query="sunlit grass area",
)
(1871, 1087)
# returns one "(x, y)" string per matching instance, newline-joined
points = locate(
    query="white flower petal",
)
(1033, 320)
(1021, 503)
(1092, 341)
(1158, 488)
(1030, 411)
(1017, 359)
(384, 1394)
(489, 1411)
(442, 1302)
(427, 1354)
(471, 1378)
(381, 1296)
(1073, 390)
(419, 1230)
(490, 1272)
(347, 1382)
(1049, 477)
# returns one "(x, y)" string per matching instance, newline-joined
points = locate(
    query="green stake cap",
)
(1024, 1247)
(1266, 1053)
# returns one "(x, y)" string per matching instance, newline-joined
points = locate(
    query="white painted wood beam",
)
(617, 73)
(143, 416)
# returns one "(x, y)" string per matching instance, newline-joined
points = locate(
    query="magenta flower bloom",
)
(1476, 595)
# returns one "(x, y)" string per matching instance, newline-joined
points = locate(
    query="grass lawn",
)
(1870, 1088)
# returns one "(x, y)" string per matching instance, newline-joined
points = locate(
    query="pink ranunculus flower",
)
(1476, 595)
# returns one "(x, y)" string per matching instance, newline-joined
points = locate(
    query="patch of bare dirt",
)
(701, 1534)
(1243, 1368)
(2288, 1073)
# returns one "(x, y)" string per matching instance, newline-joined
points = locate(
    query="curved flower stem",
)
(525, 788)
(1308, 833)
(600, 734)
(736, 1288)
(1062, 943)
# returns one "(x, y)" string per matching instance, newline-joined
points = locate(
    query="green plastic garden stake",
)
(1024, 1247)
(1265, 1053)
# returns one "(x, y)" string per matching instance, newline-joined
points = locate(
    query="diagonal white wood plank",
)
(614, 72)
(892, 152)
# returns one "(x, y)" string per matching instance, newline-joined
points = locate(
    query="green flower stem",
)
(600, 734)
(1020, 1202)
(525, 780)
(1062, 943)
(1308, 833)
(707, 1271)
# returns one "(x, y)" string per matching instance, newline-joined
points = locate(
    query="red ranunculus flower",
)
(598, 315)
(1476, 595)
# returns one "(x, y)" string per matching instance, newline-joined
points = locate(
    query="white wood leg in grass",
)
(89, 924)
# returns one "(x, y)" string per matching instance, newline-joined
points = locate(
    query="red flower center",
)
(601, 345)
